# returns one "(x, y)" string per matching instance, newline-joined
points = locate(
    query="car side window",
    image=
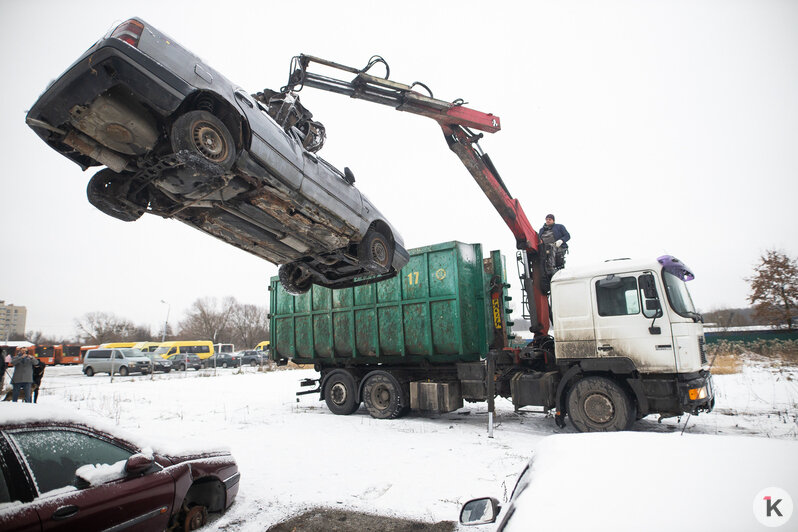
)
(5, 494)
(52, 456)
(618, 300)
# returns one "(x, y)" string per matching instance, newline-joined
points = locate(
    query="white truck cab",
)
(634, 321)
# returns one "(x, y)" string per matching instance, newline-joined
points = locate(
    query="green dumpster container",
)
(434, 310)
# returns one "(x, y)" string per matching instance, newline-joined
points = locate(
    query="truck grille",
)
(702, 350)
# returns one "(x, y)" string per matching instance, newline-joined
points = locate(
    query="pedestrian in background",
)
(38, 373)
(22, 380)
(5, 359)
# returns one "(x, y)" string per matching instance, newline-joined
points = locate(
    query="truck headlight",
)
(697, 393)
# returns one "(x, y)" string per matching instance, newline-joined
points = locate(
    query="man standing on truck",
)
(554, 236)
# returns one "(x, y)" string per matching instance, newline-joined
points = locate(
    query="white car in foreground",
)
(652, 482)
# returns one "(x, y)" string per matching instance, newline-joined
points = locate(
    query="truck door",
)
(625, 321)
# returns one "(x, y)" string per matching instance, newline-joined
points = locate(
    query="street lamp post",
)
(166, 321)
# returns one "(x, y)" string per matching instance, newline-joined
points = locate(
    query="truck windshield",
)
(679, 296)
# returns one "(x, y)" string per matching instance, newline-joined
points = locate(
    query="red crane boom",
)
(457, 123)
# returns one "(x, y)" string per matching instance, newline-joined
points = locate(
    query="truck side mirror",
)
(648, 287)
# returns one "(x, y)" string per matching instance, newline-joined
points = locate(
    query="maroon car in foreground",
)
(59, 472)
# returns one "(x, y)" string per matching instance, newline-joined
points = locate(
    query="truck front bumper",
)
(697, 394)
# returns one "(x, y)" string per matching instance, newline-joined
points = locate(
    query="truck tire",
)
(384, 397)
(340, 393)
(598, 404)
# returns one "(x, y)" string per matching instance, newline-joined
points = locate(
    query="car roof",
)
(24, 415)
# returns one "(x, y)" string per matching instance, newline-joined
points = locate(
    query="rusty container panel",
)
(433, 310)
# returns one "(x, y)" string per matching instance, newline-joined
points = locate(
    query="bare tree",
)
(102, 327)
(208, 319)
(774, 289)
(249, 325)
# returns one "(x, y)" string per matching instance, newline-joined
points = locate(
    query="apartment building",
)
(12, 320)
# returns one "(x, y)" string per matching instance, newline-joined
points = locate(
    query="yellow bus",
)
(147, 347)
(201, 348)
(118, 345)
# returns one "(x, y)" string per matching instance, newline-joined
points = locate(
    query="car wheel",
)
(384, 397)
(253, 363)
(195, 518)
(294, 279)
(123, 371)
(201, 133)
(224, 364)
(597, 404)
(167, 370)
(182, 367)
(89, 371)
(340, 393)
(108, 192)
(375, 252)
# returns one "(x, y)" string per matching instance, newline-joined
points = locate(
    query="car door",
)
(53, 454)
(15, 515)
(271, 145)
(625, 328)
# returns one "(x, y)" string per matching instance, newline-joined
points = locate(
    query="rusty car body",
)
(181, 141)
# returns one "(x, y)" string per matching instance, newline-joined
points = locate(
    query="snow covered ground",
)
(294, 454)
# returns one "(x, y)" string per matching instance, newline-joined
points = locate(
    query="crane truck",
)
(626, 340)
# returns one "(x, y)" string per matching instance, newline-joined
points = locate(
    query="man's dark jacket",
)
(560, 233)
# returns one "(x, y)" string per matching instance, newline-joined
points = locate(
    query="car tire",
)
(294, 279)
(89, 371)
(340, 393)
(384, 396)
(167, 370)
(598, 404)
(123, 371)
(224, 364)
(201, 134)
(253, 363)
(182, 367)
(107, 191)
(194, 519)
(375, 252)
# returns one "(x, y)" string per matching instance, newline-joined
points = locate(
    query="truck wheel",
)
(384, 396)
(201, 133)
(340, 393)
(294, 279)
(375, 252)
(597, 404)
(107, 190)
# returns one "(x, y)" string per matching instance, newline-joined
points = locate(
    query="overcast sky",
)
(646, 127)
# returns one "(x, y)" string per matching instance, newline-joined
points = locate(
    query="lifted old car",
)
(181, 141)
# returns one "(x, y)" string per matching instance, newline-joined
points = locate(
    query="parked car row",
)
(125, 360)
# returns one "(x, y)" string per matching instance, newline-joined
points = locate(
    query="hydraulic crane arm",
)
(456, 121)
